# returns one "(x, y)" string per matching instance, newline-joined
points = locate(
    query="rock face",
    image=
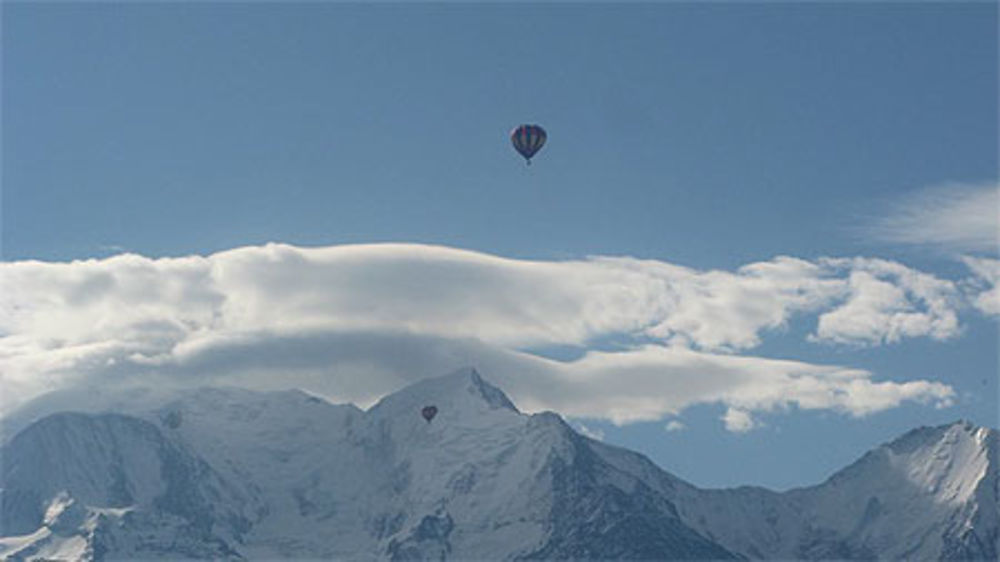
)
(233, 474)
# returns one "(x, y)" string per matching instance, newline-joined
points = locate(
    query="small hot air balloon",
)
(429, 412)
(527, 140)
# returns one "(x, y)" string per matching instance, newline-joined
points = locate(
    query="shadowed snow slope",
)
(230, 473)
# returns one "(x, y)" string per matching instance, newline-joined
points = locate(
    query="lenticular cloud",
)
(355, 321)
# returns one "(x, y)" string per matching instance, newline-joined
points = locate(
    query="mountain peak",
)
(460, 390)
(493, 395)
(930, 436)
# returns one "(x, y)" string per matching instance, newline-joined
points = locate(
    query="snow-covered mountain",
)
(929, 495)
(231, 474)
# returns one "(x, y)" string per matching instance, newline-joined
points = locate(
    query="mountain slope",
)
(931, 494)
(286, 475)
(78, 483)
(231, 473)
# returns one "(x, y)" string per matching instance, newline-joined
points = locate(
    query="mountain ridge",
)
(287, 474)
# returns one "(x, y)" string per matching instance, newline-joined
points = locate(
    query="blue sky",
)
(707, 137)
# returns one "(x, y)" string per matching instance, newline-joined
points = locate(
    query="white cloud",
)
(642, 384)
(985, 288)
(593, 433)
(356, 322)
(674, 425)
(956, 217)
(887, 302)
(739, 421)
(433, 290)
(728, 311)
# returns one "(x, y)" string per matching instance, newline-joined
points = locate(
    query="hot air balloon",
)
(429, 412)
(527, 140)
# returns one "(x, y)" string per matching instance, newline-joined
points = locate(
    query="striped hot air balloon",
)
(527, 140)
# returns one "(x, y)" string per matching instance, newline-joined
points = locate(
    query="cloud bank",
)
(356, 322)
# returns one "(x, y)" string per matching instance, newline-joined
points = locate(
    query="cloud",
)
(739, 421)
(641, 384)
(728, 311)
(430, 290)
(674, 426)
(886, 302)
(650, 382)
(356, 322)
(984, 289)
(595, 434)
(955, 217)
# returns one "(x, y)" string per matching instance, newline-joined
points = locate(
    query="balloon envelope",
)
(527, 140)
(429, 412)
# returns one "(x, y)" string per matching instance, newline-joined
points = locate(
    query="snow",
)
(290, 475)
(9, 546)
(63, 536)
(317, 466)
(902, 500)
